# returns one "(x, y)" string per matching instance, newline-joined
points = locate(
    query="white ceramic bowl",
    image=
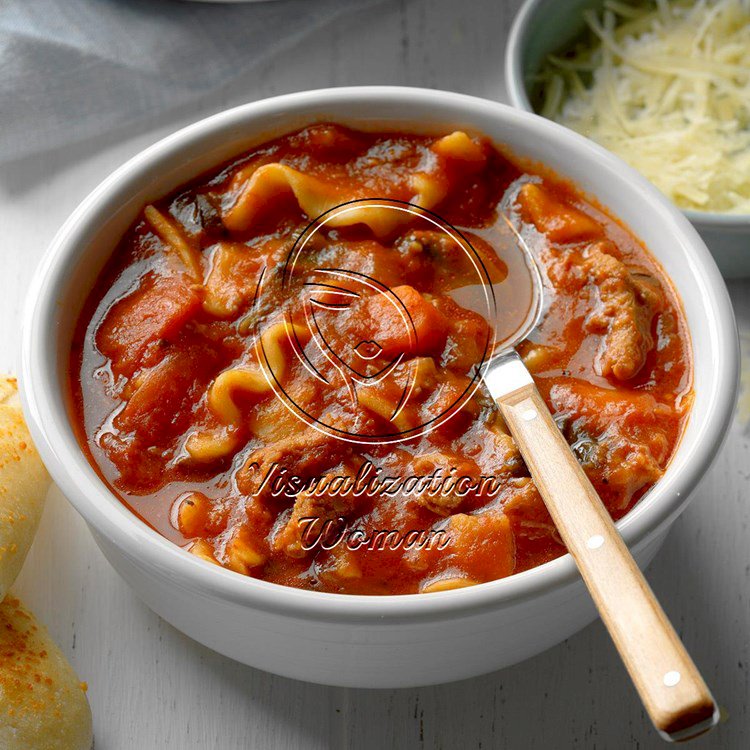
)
(385, 641)
(542, 27)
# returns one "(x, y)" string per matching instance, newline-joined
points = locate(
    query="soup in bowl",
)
(275, 426)
(235, 400)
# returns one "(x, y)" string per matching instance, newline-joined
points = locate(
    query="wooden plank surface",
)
(151, 687)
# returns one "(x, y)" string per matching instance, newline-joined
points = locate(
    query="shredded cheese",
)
(666, 86)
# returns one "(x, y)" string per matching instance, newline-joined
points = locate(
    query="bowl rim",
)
(515, 85)
(163, 559)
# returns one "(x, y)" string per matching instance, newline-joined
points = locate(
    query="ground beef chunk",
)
(308, 453)
(628, 302)
(621, 439)
(333, 500)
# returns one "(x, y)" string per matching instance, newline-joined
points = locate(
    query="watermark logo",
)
(361, 361)
(318, 533)
(357, 329)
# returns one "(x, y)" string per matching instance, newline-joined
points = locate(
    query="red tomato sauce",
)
(168, 386)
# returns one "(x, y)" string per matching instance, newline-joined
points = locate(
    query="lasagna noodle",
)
(248, 379)
(258, 187)
(173, 235)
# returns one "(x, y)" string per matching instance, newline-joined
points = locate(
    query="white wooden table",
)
(151, 687)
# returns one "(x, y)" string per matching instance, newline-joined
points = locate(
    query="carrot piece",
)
(421, 330)
(559, 221)
(157, 409)
(156, 310)
(483, 545)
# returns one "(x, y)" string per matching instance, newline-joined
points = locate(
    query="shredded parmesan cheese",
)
(665, 86)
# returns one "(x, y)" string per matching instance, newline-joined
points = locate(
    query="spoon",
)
(668, 682)
(671, 688)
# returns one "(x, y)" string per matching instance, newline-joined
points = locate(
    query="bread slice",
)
(43, 704)
(23, 486)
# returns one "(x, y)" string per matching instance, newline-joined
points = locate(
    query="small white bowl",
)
(378, 641)
(542, 27)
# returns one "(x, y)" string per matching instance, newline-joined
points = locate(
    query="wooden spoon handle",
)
(671, 688)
